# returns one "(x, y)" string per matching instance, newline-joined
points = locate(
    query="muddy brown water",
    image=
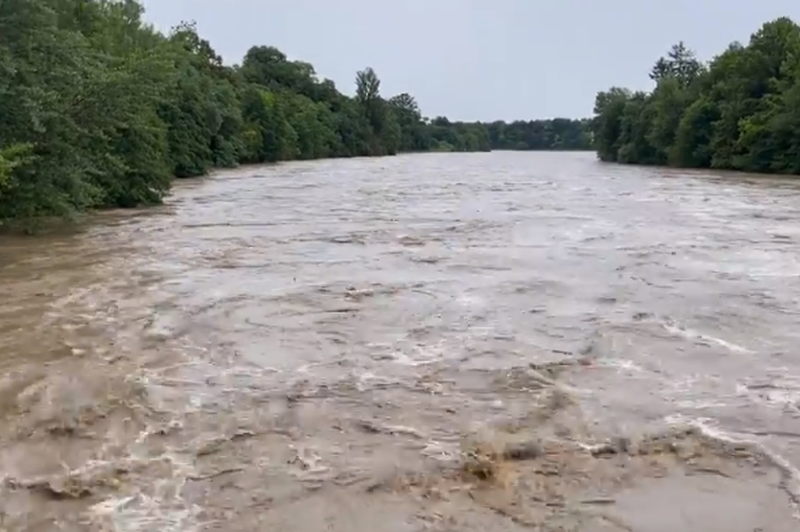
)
(504, 341)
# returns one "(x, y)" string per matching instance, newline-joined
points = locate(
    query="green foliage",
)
(739, 112)
(98, 109)
(555, 134)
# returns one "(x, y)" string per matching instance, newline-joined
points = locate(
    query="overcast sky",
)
(478, 59)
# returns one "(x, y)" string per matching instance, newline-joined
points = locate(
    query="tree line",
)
(739, 111)
(99, 109)
(551, 134)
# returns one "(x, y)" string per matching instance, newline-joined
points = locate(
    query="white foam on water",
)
(709, 428)
(405, 360)
(700, 404)
(420, 355)
(439, 451)
(141, 513)
(367, 380)
(157, 504)
(159, 507)
(691, 334)
(623, 364)
(783, 391)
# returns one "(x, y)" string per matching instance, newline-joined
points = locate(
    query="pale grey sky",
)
(478, 59)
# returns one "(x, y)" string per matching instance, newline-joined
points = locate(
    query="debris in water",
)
(74, 485)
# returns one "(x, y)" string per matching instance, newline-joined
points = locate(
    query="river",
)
(496, 341)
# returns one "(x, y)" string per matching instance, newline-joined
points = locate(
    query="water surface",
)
(274, 339)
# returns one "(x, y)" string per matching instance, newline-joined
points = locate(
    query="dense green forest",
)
(98, 109)
(741, 111)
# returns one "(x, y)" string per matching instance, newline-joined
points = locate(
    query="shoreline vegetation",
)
(100, 110)
(740, 111)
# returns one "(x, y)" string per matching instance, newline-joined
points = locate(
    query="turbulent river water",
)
(504, 341)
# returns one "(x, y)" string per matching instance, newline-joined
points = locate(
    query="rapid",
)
(498, 341)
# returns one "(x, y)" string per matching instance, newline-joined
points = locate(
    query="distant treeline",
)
(741, 111)
(98, 109)
(552, 134)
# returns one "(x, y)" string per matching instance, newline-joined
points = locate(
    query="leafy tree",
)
(739, 112)
(679, 64)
